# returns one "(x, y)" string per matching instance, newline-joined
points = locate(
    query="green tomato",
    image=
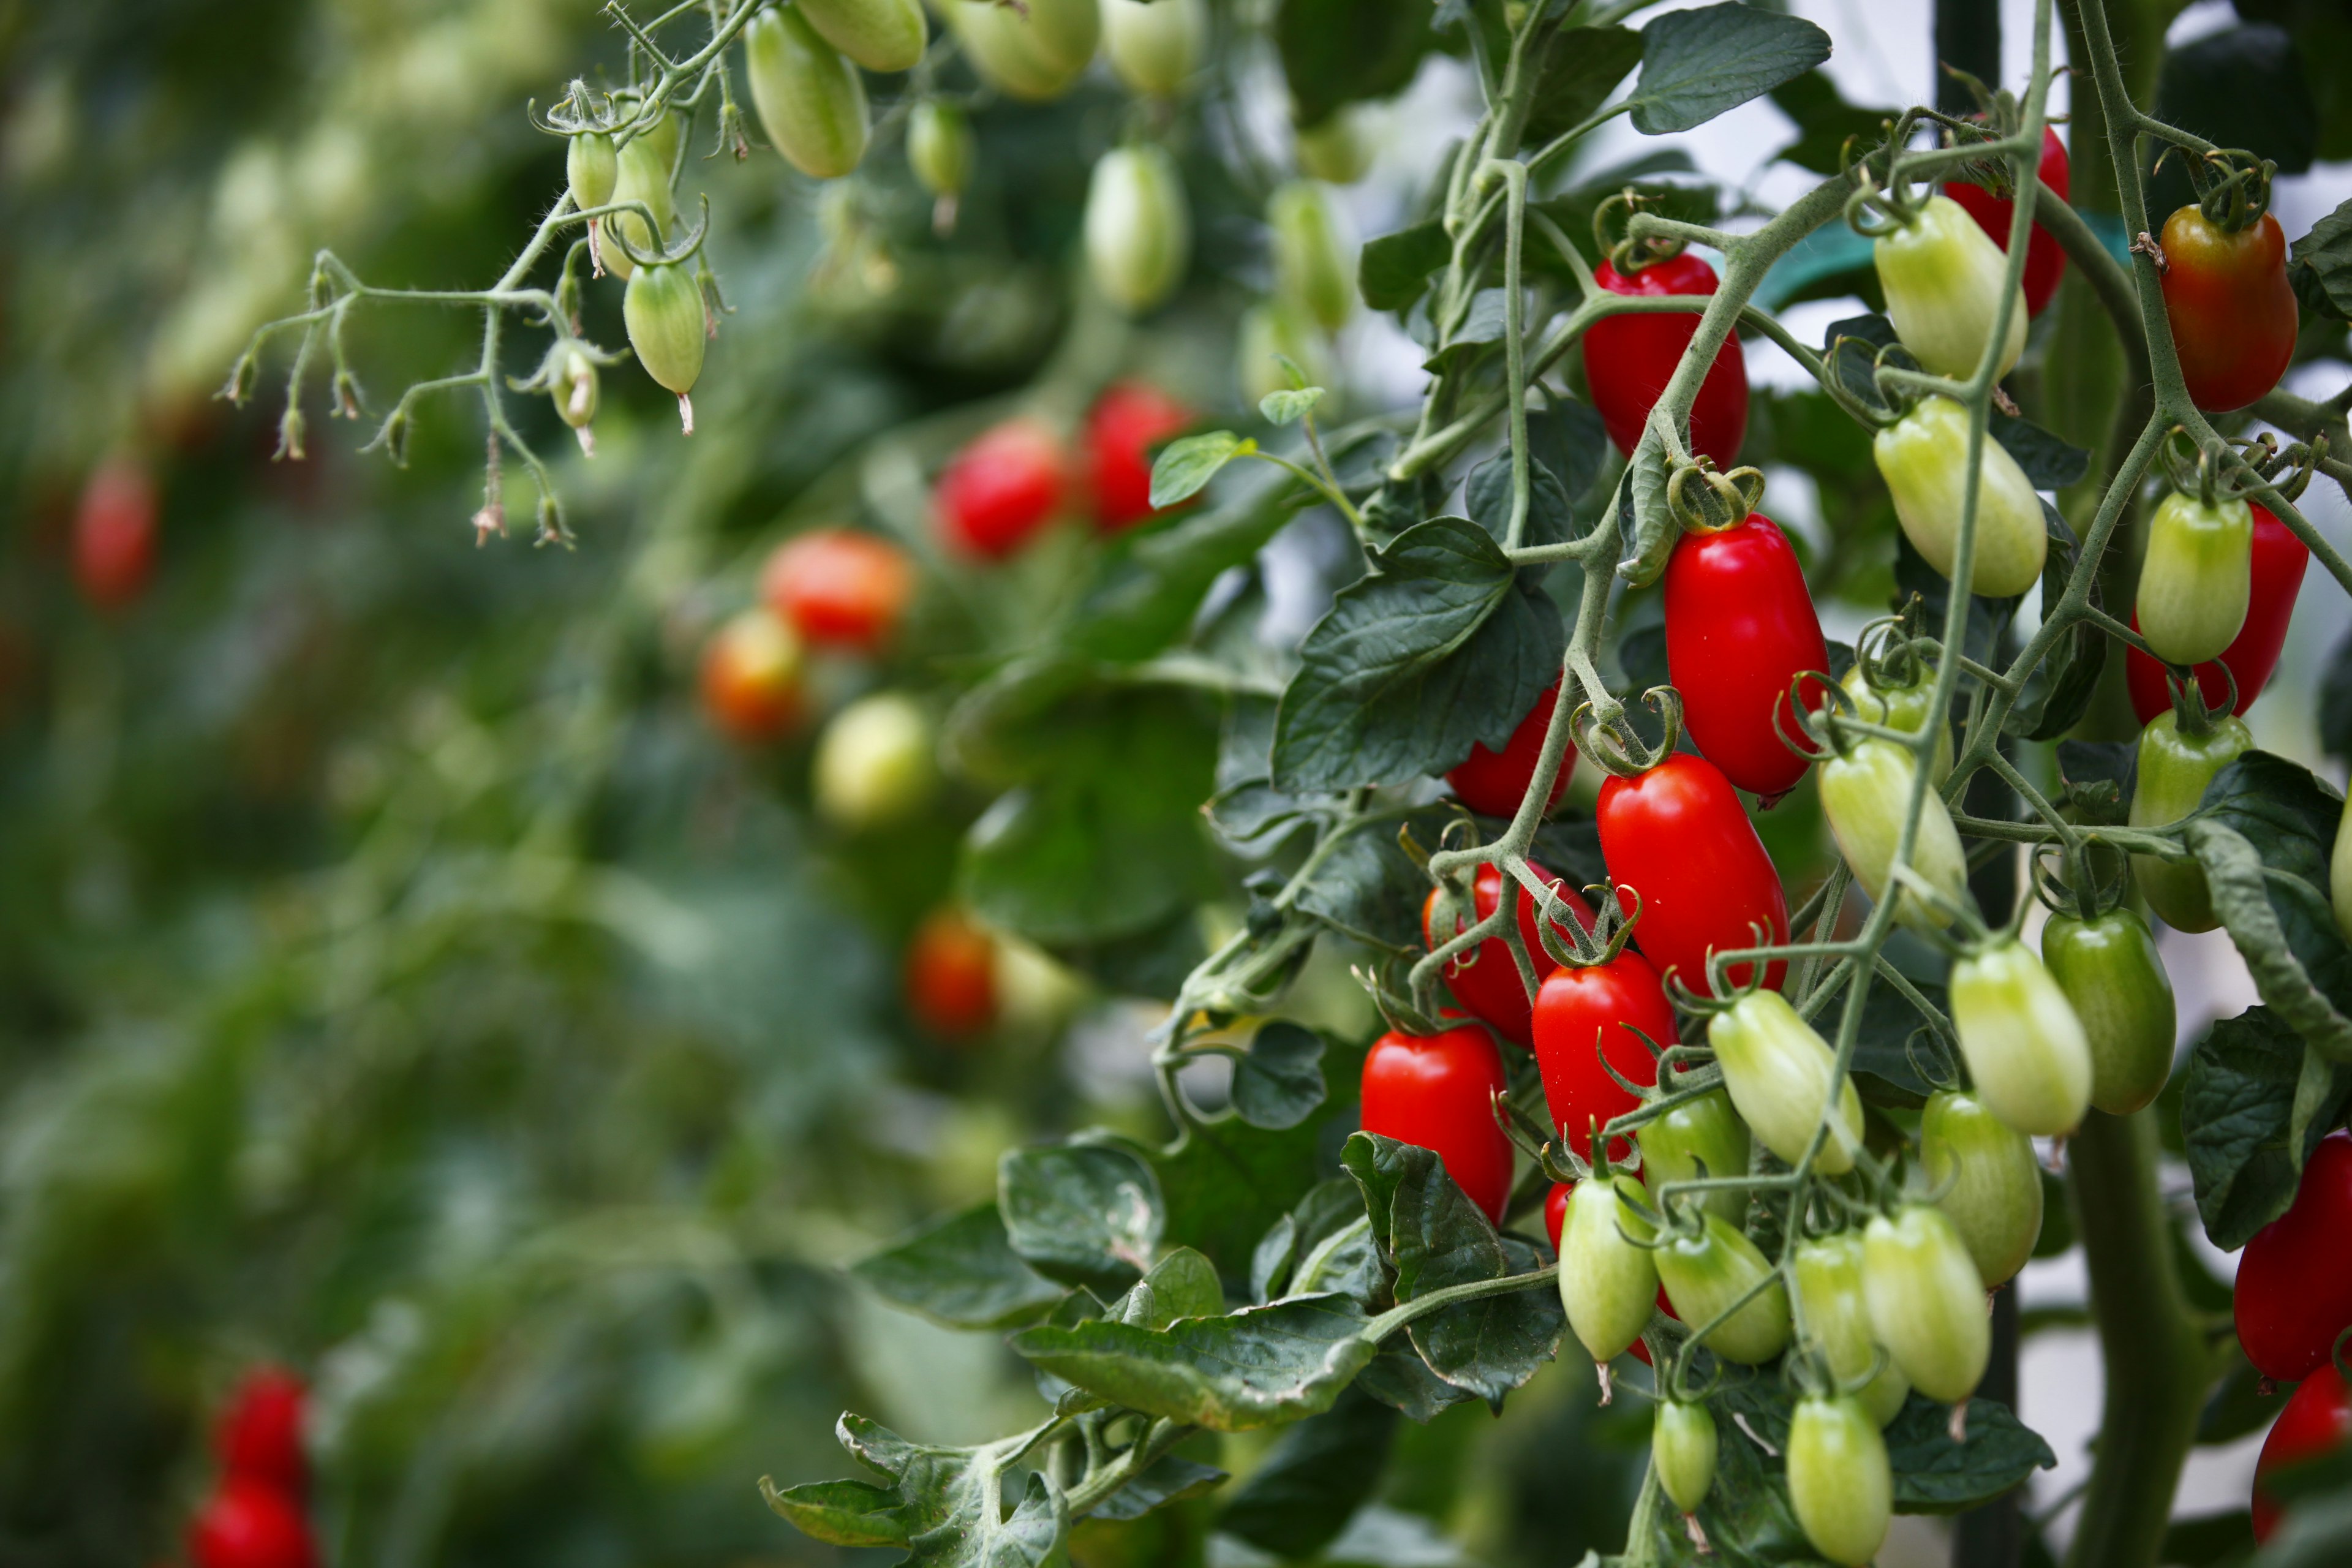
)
(2196, 578)
(1682, 1446)
(1839, 1482)
(1990, 1182)
(1778, 1069)
(812, 101)
(1699, 1137)
(573, 389)
(1334, 150)
(1705, 1269)
(593, 168)
(1924, 458)
(2025, 1047)
(2110, 972)
(643, 176)
(2174, 770)
(1829, 1286)
(1927, 1300)
(662, 308)
(1139, 233)
(1608, 1284)
(1314, 254)
(1905, 708)
(880, 34)
(940, 147)
(1942, 276)
(1032, 51)
(1278, 327)
(1866, 796)
(1154, 47)
(877, 762)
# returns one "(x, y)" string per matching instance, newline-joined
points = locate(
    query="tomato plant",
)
(1782, 1076)
(1839, 1478)
(1990, 1181)
(1432, 1091)
(1925, 1300)
(1740, 630)
(2025, 1046)
(2108, 967)
(1709, 1270)
(1944, 281)
(1924, 458)
(1866, 792)
(1628, 361)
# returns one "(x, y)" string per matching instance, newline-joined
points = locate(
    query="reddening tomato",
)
(751, 678)
(881, 35)
(2196, 581)
(1866, 796)
(1778, 1069)
(1904, 708)
(247, 1524)
(877, 762)
(1741, 626)
(2273, 580)
(1139, 229)
(1129, 419)
(1927, 1300)
(1682, 1446)
(2232, 308)
(839, 588)
(1629, 359)
(2293, 1293)
(1840, 1481)
(1582, 1013)
(1485, 979)
(1828, 1287)
(2045, 262)
(114, 534)
(1707, 1267)
(950, 976)
(662, 308)
(1432, 1090)
(2173, 771)
(2109, 970)
(1699, 1138)
(1943, 278)
(259, 1435)
(1314, 252)
(1492, 783)
(2317, 1420)
(996, 492)
(1677, 836)
(1990, 1181)
(1924, 458)
(2026, 1050)
(811, 101)
(1608, 1282)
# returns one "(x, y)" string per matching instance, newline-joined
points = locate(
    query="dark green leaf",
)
(1696, 64)
(1399, 1379)
(1550, 518)
(1335, 52)
(1393, 269)
(2239, 87)
(1896, 1041)
(1262, 1366)
(1280, 1082)
(1570, 439)
(2321, 270)
(1324, 1244)
(1185, 467)
(1183, 1284)
(1654, 532)
(844, 1513)
(1169, 1480)
(962, 1271)
(2059, 690)
(1483, 326)
(1230, 1180)
(1367, 887)
(1086, 1212)
(1583, 68)
(2237, 1115)
(1314, 1478)
(1826, 123)
(1935, 1475)
(2049, 460)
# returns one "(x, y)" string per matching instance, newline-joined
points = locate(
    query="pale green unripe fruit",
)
(1608, 1285)
(643, 176)
(876, 763)
(1154, 47)
(2196, 579)
(1139, 233)
(1942, 276)
(1778, 1069)
(662, 308)
(1314, 253)
(1904, 708)
(1682, 1445)
(1865, 793)
(2026, 1051)
(1927, 1300)
(573, 389)
(2174, 769)
(1335, 151)
(1988, 1182)
(880, 34)
(1705, 1272)
(1840, 1481)
(940, 147)
(811, 101)
(1033, 52)
(1924, 458)
(1829, 1284)
(592, 167)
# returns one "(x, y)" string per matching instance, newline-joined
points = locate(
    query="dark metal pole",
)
(1967, 36)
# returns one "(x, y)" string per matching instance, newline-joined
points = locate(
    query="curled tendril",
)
(1819, 735)
(1705, 502)
(683, 251)
(578, 112)
(1627, 254)
(1621, 753)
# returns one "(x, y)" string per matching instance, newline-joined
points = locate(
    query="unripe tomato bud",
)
(838, 588)
(1314, 253)
(2294, 1293)
(1699, 1138)
(2233, 311)
(1927, 1301)
(644, 163)
(876, 763)
(1839, 1482)
(2109, 970)
(1682, 1446)
(2196, 578)
(573, 389)
(1990, 1182)
(1866, 796)
(114, 534)
(1708, 1267)
(1138, 232)
(249, 1525)
(751, 678)
(1001, 487)
(880, 34)
(1130, 419)
(1778, 1069)
(1154, 47)
(2026, 1050)
(940, 147)
(1032, 51)
(1943, 278)
(1278, 327)
(259, 1438)
(2173, 771)
(1924, 458)
(1335, 150)
(2317, 1421)
(812, 101)
(1829, 1286)
(1434, 1091)
(1906, 708)
(951, 977)
(593, 168)
(662, 308)
(1608, 1283)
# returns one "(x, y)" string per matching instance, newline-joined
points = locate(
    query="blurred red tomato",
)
(1127, 421)
(839, 588)
(1001, 488)
(249, 1525)
(259, 1438)
(950, 976)
(750, 677)
(114, 534)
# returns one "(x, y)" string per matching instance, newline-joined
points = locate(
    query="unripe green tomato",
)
(1699, 1137)
(1335, 151)
(644, 177)
(1924, 458)
(593, 168)
(1990, 1182)
(1839, 1482)
(2109, 970)
(1942, 276)
(2025, 1048)
(1778, 1069)
(1154, 47)
(1139, 233)
(880, 34)
(2196, 578)
(812, 101)
(1829, 1284)
(663, 139)
(2339, 872)
(1705, 1269)
(573, 387)
(876, 763)
(2174, 770)
(1904, 708)
(1032, 51)
(1608, 1285)
(1314, 253)
(1278, 327)
(940, 147)
(1927, 1300)
(662, 308)
(1682, 1446)
(1866, 796)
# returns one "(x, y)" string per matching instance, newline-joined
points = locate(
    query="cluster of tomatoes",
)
(2293, 1310)
(258, 1515)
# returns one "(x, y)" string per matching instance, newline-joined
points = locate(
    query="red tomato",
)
(2233, 310)
(997, 492)
(2293, 1294)
(1127, 421)
(1677, 836)
(1556, 1214)
(2317, 1419)
(1493, 783)
(1741, 626)
(1432, 1090)
(1583, 1012)
(2278, 563)
(839, 588)
(1629, 359)
(249, 1525)
(751, 678)
(951, 976)
(259, 1438)
(1485, 979)
(114, 535)
(2044, 261)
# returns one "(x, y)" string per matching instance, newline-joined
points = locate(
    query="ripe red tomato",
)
(2279, 558)
(1581, 1012)
(1493, 783)
(1485, 979)
(1001, 488)
(2317, 1419)
(1629, 359)
(1432, 1090)
(950, 976)
(1127, 421)
(2233, 310)
(259, 1438)
(839, 588)
(751, 678)
(1677, 836)
(114, 535)
(2293, 1294)
(2045, 263)
(1741, 626)
(249, 1525)
(1556, 1214)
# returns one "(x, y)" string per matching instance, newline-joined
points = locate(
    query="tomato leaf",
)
(1393, 270)
(1185, 467)
(1935, 1475)
(2059, 690)
(1280, 1082)
(1826, 123)
(1086, 1212)
(1169, 1480)
(1314, 1478)
(1183, 1284)
(1366, 887)
(1696, 64)
(1646, 529)
(1583, 68)
(1483, 327)
(1230, 1180)
(1262, 1366)
(2239, 1109)
(1488, 497)
(961, 1272)
(1289, 407)
(2049, 461)
(1336, 52)
(946, 1505)
(2320, 266)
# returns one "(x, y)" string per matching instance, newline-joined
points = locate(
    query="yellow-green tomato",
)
(1334, 150)
(1682, 1445)
(1927, 1300)
(662, 308)
(1905, 708)
(1139, 233)
(1778, 1070)
(1828, 1284)
(1278, 327)
(1866, 796)
(1032, 51)
(592, 167)
(1989, 1183)
(2109, 969)
(880, 34)
(1702, 1137)
(573, 387)
(940, 147)
(1707, 1267)
(1839, 1482)
(2174, 769)
(876, 763)
(643, 176)
(1154, 47)
(1608, 1284)
(2026, 1050)
(1314, 253)
(812, 101)
(1924, 458)
(1942, 276)
(2196, 578)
